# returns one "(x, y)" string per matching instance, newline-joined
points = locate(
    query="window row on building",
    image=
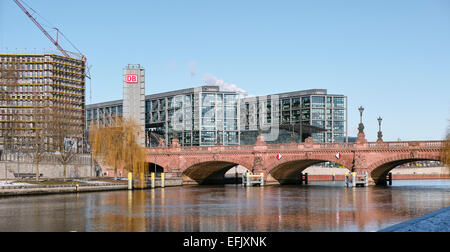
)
(209, 116)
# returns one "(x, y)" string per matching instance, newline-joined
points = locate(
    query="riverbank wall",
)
(407, 173)
(79, 167)
(57, 189)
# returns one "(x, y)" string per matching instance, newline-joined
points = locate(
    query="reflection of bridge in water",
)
(208, 164)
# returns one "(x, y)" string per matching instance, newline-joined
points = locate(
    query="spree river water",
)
(320, 206)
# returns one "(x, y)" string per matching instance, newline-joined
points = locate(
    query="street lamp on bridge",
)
(361, 125)
(380, 133)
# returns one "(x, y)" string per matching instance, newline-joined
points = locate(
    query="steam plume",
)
(213, 81)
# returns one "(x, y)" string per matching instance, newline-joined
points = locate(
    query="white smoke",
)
(212, 80)
(192, 68)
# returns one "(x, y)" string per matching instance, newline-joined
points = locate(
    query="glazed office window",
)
(219, 100)
(285, 117)
(208, 137)
(154, 105)
(147, 106)
(339, 137)
(328, 125)
(318, 114)
(230, 99)
(178, 102)
(329, 102)
(195, 137)
(295, 103)
(286, 104)
(306, 114)
(296, 115)
(187, 137)
(339, 126)
(208, 112)
(339, 102)
(208, 124)
(154, 116)
(268, 106)
(89, 114)
(162, 104)
(231, 137)
(188, 113)
(170, 103)
(231, 112)
(230, 124)
(187, 100)
(320, 124)
(208, 100)
(339, 114)
(318, 101)
(329, 114)
(306, 102)
(318, 137)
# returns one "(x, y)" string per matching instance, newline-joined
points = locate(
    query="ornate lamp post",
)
(380, 134)
(361, 125)
(361, 139)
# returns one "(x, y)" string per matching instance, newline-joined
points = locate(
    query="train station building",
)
(208, 115)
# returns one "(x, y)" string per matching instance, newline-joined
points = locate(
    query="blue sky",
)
(392, 57)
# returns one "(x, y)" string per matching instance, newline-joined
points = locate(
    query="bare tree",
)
(8, 90)
(38, 128)
(66, 133)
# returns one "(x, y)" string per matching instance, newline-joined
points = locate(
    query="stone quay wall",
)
(49, 167)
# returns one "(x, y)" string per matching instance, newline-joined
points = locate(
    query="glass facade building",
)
(206, 115)
(196, 117)
(298, 115)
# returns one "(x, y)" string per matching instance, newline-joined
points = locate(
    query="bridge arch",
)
(288, 172)
(209, 172)
(154, 167)
(380, 169)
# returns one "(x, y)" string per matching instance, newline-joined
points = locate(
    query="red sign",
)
(279, 156)
(338, 156)
(131, 78)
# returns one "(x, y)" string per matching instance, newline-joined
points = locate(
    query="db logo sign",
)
(131, 78)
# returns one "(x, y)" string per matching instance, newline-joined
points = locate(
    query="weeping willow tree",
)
(116, 145)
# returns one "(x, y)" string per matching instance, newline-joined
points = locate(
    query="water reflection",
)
(317, 207)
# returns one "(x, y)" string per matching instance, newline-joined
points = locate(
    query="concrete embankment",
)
(438, 221)
(23, 188)
(55, 189)
(326, 174)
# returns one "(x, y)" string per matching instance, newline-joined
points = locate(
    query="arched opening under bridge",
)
(406, 168)
(288, 173)
(212, 173)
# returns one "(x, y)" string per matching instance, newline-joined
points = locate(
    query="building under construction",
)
(42, 98)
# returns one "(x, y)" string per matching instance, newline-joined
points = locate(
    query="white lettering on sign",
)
(131, 78)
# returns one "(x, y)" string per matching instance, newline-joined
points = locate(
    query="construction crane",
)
(55, 42)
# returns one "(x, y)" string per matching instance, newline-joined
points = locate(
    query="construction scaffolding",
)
(42, 99)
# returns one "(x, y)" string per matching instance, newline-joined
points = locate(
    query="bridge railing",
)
(301, 146)
(406, 144)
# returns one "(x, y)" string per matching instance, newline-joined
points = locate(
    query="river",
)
(319, 206)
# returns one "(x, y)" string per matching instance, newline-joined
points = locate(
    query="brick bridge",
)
(208, 164)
